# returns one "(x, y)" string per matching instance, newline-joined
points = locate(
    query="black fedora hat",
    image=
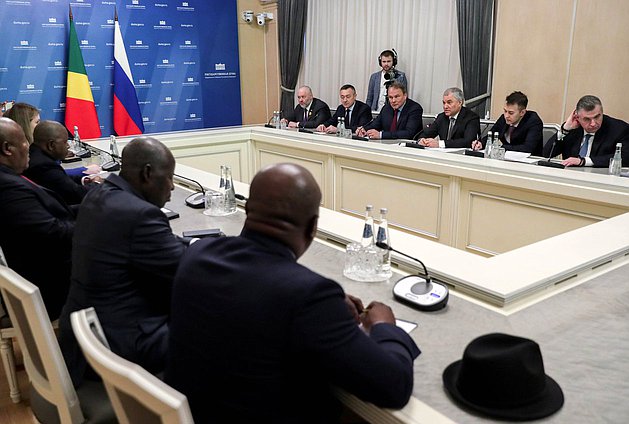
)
(502, 376)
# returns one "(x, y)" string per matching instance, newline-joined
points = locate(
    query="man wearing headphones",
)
(379, 81)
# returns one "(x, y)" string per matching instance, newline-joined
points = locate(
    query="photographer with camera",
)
(380, 81)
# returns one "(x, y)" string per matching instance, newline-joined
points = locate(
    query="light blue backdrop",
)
(183, 56)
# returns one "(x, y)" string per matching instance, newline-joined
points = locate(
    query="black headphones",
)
(391, 52)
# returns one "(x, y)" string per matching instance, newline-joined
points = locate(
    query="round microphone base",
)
(420, 294)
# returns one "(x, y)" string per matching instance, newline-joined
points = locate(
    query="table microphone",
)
(547, 162)
(195, 200)
(417, 291)
(111, 165)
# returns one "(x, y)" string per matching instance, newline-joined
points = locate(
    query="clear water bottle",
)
(276, 119)
(230, 194)
(340, 128)
(384, 267)
(76, 141)
(615, 163)
(113, 146)
(367, 239)
(489, 145)
(221, 185)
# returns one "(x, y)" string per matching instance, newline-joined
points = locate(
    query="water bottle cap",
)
(383, 210)
(369, 207)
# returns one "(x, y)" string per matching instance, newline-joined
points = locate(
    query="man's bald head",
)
(148, 166)
(284, 204)
(13, 145)
(52, 138)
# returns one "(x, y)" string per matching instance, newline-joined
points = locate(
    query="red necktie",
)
(394, 123)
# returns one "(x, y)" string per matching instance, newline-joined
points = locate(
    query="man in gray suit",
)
(380, 81)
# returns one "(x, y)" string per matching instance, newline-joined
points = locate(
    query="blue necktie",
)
(584, 147)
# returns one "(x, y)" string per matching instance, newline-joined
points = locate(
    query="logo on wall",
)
(165, 64)
(187, 44)
(24, 45)
(138, 45)
(57, 65)
(185, 7)
(162, 25)
(52, 23)
(190, 82)
(80, 3)
(135, 4)
(31, 89)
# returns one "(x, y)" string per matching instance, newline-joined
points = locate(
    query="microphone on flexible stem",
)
(111, 165)
(547, 162)
(195, 200)
(355, 136)
(419, 292)
(268, 123)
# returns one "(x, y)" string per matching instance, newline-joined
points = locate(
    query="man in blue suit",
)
(379, 81)
(124, 259)
(257, 337)
(400, 118)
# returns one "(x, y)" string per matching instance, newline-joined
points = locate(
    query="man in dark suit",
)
(257, 337)
(310, 112)
(124, 259)
(456, 126)
(401, 117)
(519, 129)
(37, 225)
(354, 112)
(50, 145)
(590, 137)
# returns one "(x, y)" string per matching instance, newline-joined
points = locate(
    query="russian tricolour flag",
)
(127, 116)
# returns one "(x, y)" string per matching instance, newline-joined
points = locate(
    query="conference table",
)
(580, 322)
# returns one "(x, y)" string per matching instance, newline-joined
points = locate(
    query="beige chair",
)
(53, 398)
(136, 395)
(7, 334)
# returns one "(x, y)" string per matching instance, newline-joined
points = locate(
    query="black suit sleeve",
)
(363, 116)
(53, 177)
(434, 128)
(377, 368)
(528, 136)
(32, 219)
(319, 113)
(338, 113)
(467, 134)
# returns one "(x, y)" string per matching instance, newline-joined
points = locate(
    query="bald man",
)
(50, 145)
(256, 337)
(37, 225)
(125, 258)
(310, 112)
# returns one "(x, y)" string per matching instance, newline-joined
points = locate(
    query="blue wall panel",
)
(183, 56)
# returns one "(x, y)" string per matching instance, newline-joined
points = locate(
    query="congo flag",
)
(80, 108)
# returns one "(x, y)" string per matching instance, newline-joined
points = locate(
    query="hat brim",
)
(547, 404)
